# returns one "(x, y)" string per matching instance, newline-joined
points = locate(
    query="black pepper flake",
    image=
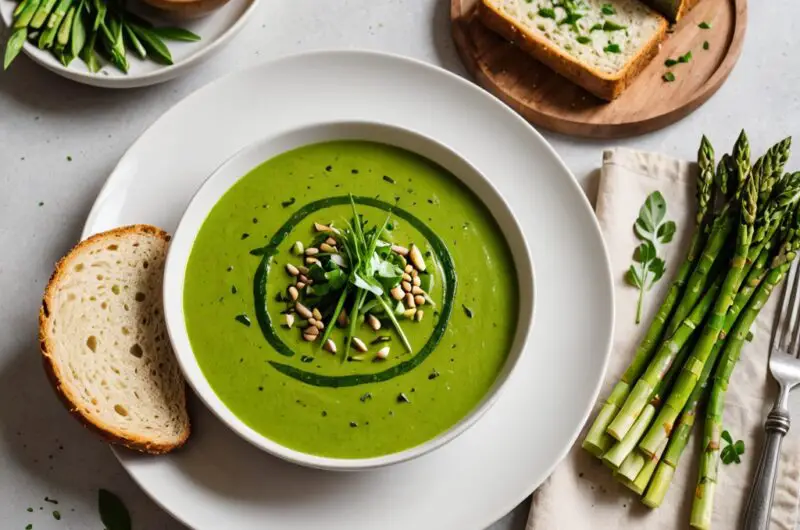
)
(288, 203)
(324, 413)
(234, 290)
(433, 375)
(245, 235)
(354, 171)
(51, 501)
(230, 268)
(353, 424)
(467, 311)
(388, 179)
(41, 203)
(366, 397)
(402, 398)
(328, 168)
(243, 319)
(306, 359)
(56, 515)
(261, 389)
(255, 220)
(30, 509)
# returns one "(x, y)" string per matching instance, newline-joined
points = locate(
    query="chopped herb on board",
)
(612, 48)
(669, 63)
(612, 26)
(669, 77)
(467, 311)
(705, 45)
(571, 19)
(56, 515)
(243, 319)
(731, 452)
(546, 12)
(388, 179)
(685, 58)
(288, 203)
(704, 25)
(608, 9)
(583, 39)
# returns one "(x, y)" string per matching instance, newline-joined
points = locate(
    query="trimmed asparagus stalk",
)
(691, 371)
(597, 441)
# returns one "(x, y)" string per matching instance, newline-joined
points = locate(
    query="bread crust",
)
(602, 85)
(108, 433)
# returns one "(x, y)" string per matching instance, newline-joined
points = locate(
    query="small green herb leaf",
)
(546, 12)
(739, 447)
(612, 48)
(596, 27)
(113, 512)
(612, 26)
(727, 437)
(669, 77)
(704, 25)
(571, 19)
(705, 45)
(651, 216)
(583, 39)
(669, 63)
(685, 58)
(608, 9)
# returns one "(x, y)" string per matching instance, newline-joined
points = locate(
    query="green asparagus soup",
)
(350, 299)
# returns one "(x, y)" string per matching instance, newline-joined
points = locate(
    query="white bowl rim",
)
(185, 234)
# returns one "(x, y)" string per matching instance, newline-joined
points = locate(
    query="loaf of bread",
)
(600, 45)
(105, 344)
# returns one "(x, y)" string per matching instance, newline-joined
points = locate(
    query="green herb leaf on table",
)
(669, 77)
(705, 45)
(685, 58)
(731, 452)
(583, 39)
(546, 12)
(669, 63)
(704, 25)
(113, 512)
(596, 27)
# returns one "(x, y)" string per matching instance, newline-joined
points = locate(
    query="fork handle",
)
(759, 505)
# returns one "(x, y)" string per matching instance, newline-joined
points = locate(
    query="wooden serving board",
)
(548, 100)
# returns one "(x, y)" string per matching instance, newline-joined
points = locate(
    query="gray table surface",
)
(45, 197)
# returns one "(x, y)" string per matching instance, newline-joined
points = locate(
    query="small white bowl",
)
(247, 159)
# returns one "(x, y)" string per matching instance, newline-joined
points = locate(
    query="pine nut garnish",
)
(408, 269)
(303, 278)
(293, 293)
(321, 227)
(417, 290)
(409, 313)
(300, 285)
(312, 251)
(292, 270)
(330, 346)
(309, 337)
(416, 281)
(416, 257)
(342, 319)
(331, 241)
(373, 322)
(406, 286)
(397, 293)
(406, 277)
(410, 300)
(312, 330)
(419, 315)
(316, 313)
(397, 249)
(298, 248)
(383, 353)
(327, 248)
(303, 311)
(319, 325)
(419, 300)
(359, 344)
(312, 321)
(303, 270)
(310, 260)
(288, 320)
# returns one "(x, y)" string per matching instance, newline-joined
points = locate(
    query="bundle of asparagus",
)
(746, 234)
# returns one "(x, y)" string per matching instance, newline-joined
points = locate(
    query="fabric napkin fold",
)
(581, 493)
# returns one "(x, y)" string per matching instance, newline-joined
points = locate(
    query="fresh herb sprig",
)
(732, 451)
(89, 29)
(653, 230)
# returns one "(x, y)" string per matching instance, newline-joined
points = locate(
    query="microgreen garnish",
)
(612, 26)
(653, 230)
(546, 12)
(608, 9)
(704, 25)
(612, 48)
(583, 39)
(669, 63)
(685, 58)
(705, 45)
(669, 77)
(731, 452)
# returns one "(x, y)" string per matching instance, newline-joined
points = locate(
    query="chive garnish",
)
(546, 12)
(669, 77)
(612, 48)
(288, 203)
(612, 26)
(583, 39)
(608, 9)
(704, 25)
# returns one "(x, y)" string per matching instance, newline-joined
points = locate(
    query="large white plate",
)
(216, 29)
(219, 480)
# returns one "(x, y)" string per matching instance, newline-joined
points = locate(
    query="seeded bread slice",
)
(601, 45)
(104, 341)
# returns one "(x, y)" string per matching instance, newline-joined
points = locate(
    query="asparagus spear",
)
(597, 441)
(748, 196)
(709, 462)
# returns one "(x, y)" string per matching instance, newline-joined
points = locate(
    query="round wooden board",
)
(548, 100)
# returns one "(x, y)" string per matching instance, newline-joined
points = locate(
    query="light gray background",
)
(44, 119)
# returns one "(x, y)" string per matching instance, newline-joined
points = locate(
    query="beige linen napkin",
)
(581, 493)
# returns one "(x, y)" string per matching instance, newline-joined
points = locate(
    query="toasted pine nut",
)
(383, 353)
(309, 337)
(406, 277)
(312, 251)
(303, 311)
(319, 325)
(288, 320)
(297, 248)
(416, 281)
(419, 300)
(373, 322)
(408, 269)
(330, 346)
(292, 270)
(303, 278)
(327, 248)
(410, 301)
(416, 257)
(359, 344)
(416, 289)
(397, 293)
(397, 249)
(303, 270)
(406, 286)
(300, 285)
(331, 241)
(312, 330)
(414, 273)
(312, 321)
(419, 315)
(321, 227)
(316, 313)
(293, 293)
(409, 313)
(310, 260)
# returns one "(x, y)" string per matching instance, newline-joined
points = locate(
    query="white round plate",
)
(219, 480)
(216, 29)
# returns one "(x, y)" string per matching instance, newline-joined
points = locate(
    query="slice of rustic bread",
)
(105, 344)
(600, 45)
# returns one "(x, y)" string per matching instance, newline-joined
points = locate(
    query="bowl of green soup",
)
(348, 295)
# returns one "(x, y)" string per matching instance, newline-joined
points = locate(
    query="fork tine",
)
(788, 312)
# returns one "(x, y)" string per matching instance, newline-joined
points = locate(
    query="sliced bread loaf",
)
(105, 344)
(600, 45)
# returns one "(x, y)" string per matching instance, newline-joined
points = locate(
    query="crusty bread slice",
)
(104, 340)
(603, 50)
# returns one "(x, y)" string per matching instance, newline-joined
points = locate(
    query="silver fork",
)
(784, 365)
